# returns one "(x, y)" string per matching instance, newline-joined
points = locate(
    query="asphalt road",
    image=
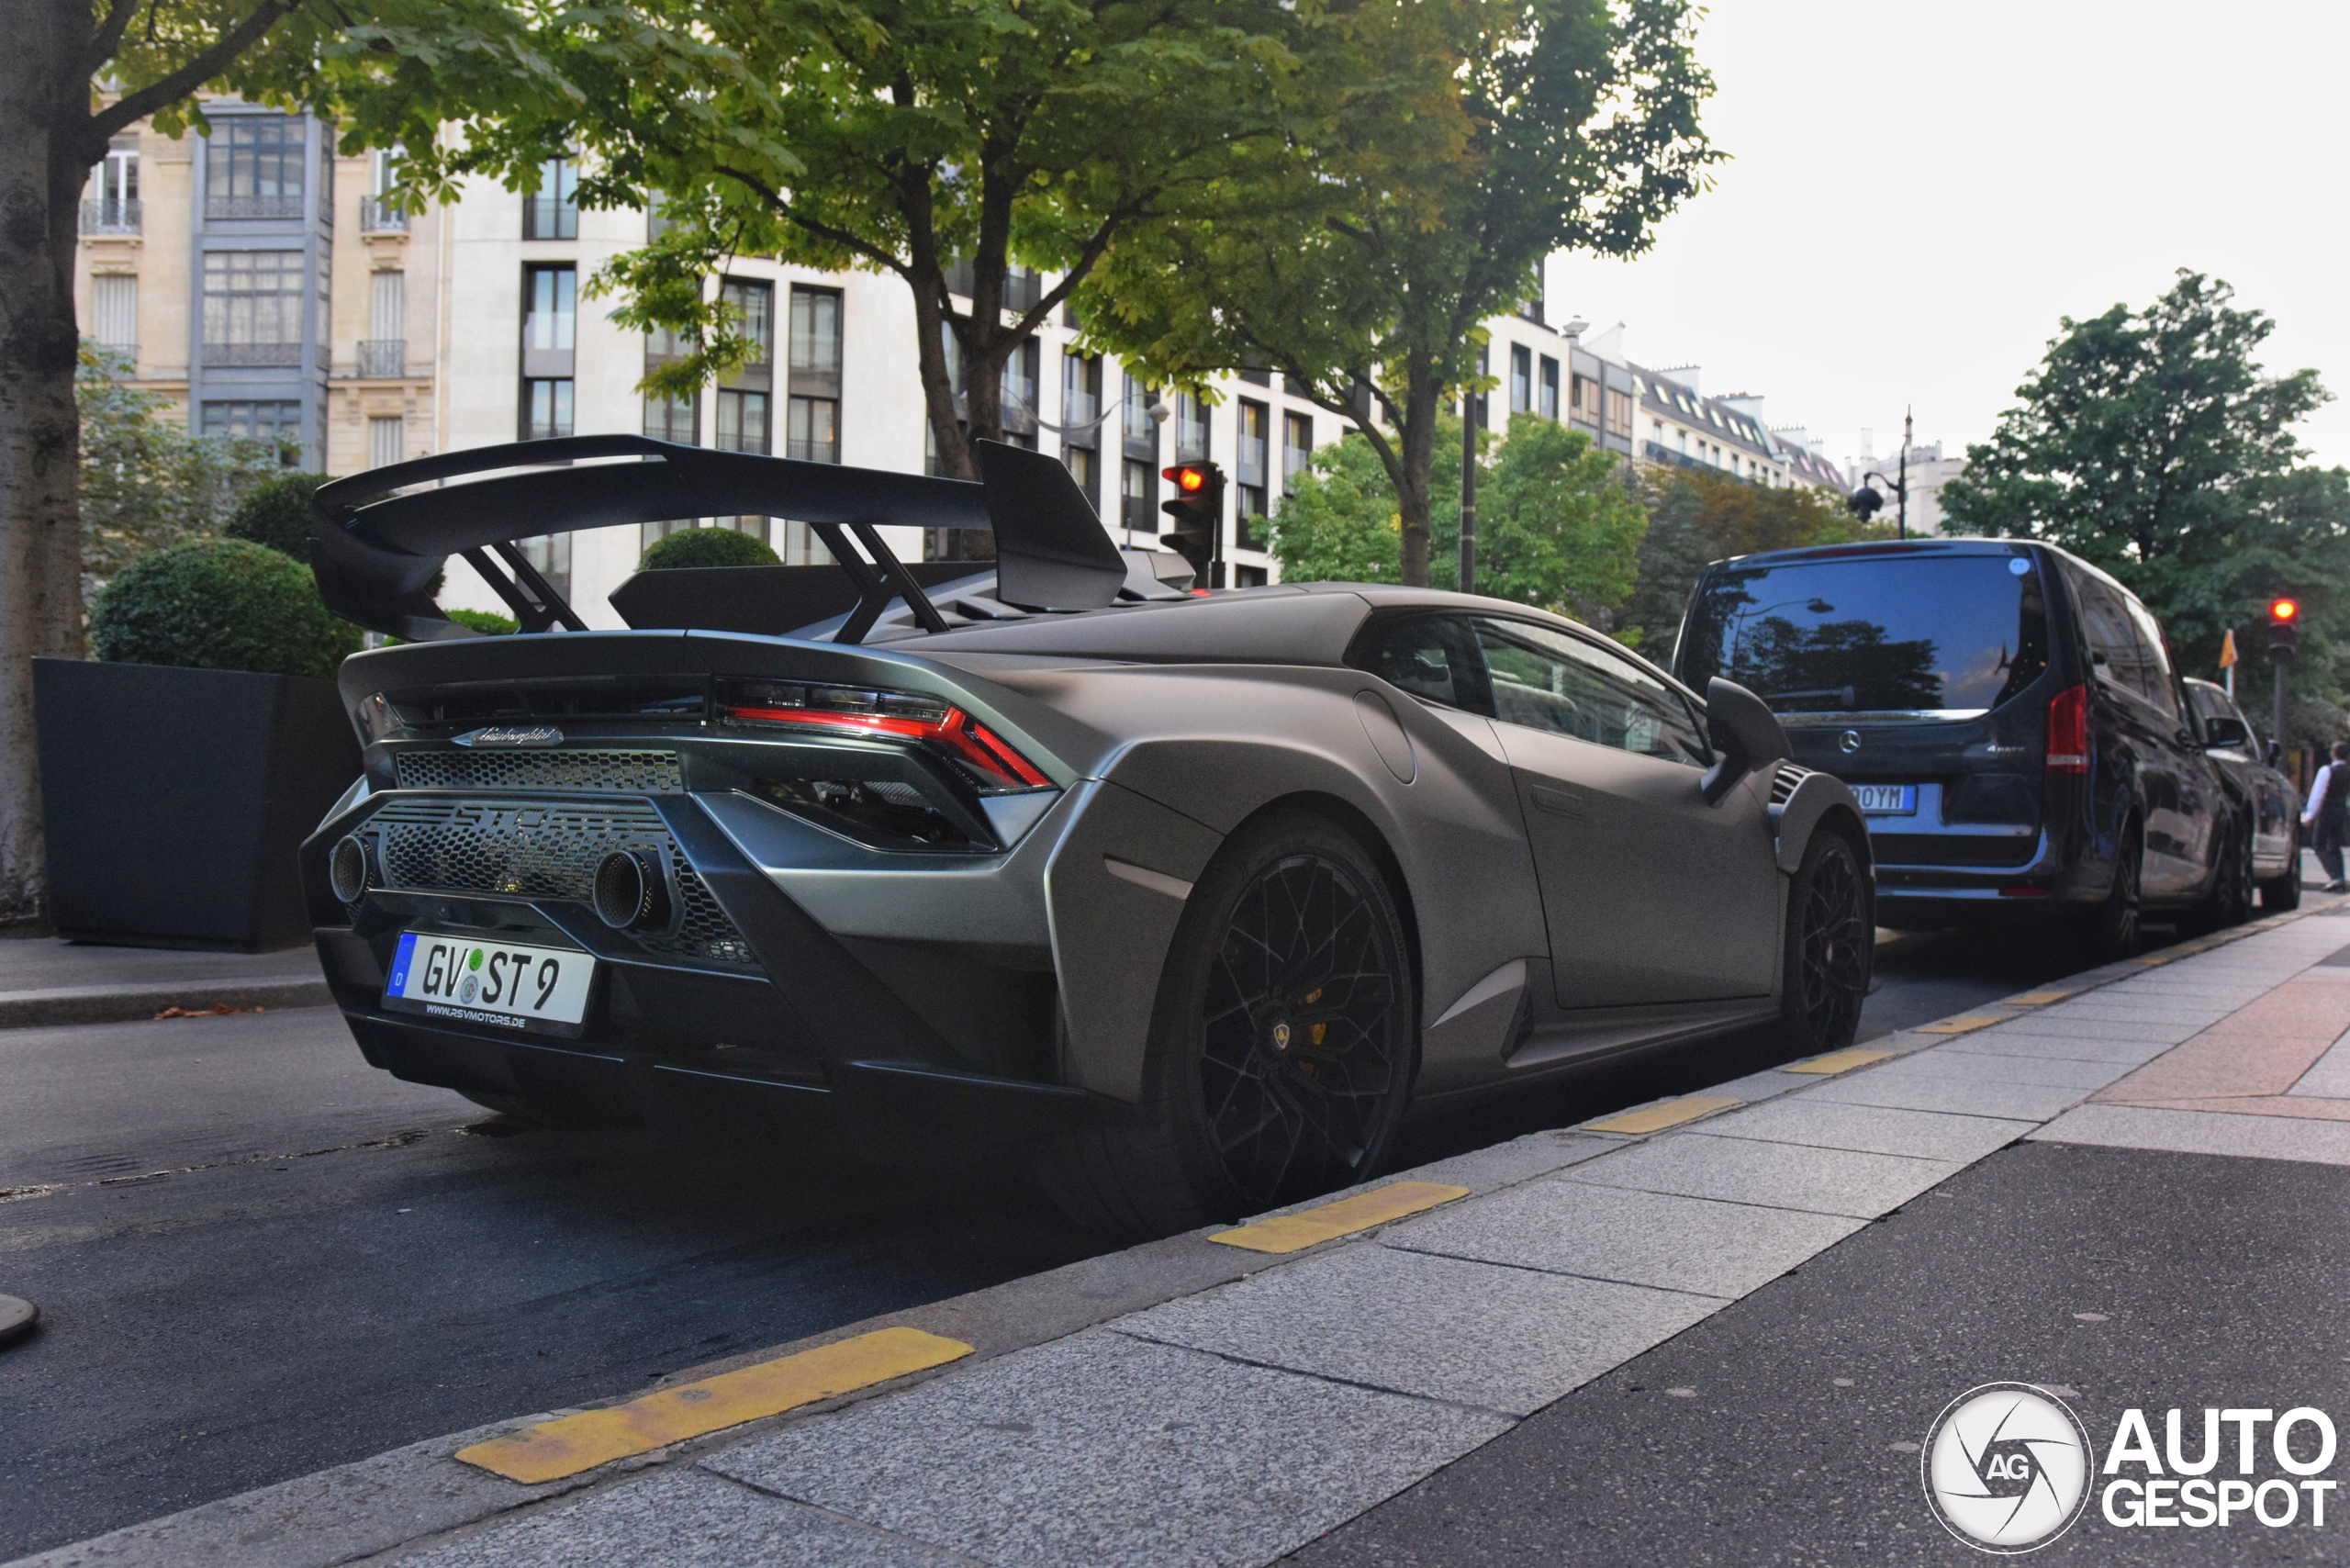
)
(257, 1257)
(1786, 1428)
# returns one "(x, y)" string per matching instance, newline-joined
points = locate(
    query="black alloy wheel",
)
(2112, 931)
(2233, 880)
(1301, 1052)
(1831, 940)
(2283, 891)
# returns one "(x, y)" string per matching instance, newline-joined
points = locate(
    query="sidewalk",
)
(46, 982)
(1198, 1401)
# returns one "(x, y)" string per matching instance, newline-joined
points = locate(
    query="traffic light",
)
(2283, 629)
(1198, 512)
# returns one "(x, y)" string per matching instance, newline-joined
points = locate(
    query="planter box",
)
(174, 799)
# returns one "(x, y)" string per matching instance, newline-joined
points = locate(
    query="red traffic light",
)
(1186, 476)
(2284, 612)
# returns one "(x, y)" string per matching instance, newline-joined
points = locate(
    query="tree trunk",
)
(1416, 447)
(44, 111)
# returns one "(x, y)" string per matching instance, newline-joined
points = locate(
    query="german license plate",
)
(1886, 800)
(505, 984)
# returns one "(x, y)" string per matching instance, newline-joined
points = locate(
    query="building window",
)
(377, 216)
(814, 435)
(546, 408)
(551, 211)
(252, 307)
(1297, 449)
(743, 423)
(1252, 462)
(113, 311)
(673, 419)
(1081, 396)
(1619, 413)
(550, 556)
(1583, 405)
(110, 206)
(1190, 429)
(815, 331)
(387, 436)
(384, 352)
(1549, 408)
(1247, 576)
(1135, 423)
(279, 422)
(752, 305)
(1021, 370)
(1521, 379)
(1084, 466)
(252, 167)
(1138, 493)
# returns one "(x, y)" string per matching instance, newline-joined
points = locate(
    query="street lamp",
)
(1865, 502)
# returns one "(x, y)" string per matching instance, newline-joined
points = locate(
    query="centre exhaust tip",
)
(631, 890)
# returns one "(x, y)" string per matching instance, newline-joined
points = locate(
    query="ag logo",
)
(2007, 1468)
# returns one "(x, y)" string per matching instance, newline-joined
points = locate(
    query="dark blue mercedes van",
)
(2010, 719)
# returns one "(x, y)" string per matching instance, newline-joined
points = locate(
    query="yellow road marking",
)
(1293, 1233)
(1840, 1061)
(1959, 1026)
(1656, 1118)
(2039, 998)
(553, 1449)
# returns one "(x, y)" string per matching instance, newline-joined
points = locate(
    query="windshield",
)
(1956, 634)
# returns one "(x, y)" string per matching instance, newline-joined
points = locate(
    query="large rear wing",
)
(380, 537)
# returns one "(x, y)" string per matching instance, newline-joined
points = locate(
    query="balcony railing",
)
(383, 358)
(110, 215)
(253, 353)
(376, 217)
(284, 205)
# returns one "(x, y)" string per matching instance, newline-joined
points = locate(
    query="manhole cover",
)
(16, 1319)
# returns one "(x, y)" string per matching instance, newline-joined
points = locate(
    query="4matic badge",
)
(2007, 1467)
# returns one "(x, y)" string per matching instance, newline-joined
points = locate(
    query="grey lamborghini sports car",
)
(1187, 899)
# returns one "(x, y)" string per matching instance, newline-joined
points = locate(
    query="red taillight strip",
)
(2068, 731)
(957, 732)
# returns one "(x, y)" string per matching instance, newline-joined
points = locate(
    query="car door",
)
(2190, 790)
(1649, 895)
(2136, 744)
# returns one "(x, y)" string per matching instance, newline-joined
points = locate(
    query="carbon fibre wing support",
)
(377, 539)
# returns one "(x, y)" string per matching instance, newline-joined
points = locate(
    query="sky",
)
(1917, 194)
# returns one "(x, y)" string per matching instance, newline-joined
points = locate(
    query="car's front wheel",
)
(1830, 943)
(1282, 1049)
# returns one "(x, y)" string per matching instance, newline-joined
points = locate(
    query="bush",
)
(708, 547)
(484, 620)
(221, 604)
(278, 514)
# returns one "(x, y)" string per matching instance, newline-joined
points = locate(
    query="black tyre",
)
(1282, 1049)
(2111, 932)
(2228, 901)
(2280, 893)
(1831, 944)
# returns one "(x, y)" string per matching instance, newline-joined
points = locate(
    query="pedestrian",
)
(2328, 811)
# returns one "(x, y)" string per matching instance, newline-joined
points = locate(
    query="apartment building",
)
(259, 280)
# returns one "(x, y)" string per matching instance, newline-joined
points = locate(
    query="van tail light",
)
(878, 714)
(2068, 731)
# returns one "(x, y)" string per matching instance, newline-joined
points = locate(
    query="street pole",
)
(1901, 485)
(2277, 731)
(1468, 494)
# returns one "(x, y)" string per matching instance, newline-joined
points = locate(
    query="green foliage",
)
(1555, 526)
(485, 621)
(1443, 150)
(708, 547)
(221, 604)
(1699, 516)
(146, 483)
(2150, 443)
(278, 514)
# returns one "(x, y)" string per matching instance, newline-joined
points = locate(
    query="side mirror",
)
(2225, 734)
(1744, 731)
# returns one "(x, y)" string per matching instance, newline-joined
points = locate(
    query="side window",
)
(2154, 660)
(1548, 680)
(1428, 656)
(2110, 637)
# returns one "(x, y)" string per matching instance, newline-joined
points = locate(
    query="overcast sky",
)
(1918, 192)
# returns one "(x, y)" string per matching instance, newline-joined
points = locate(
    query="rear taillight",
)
(2068, 731)
(878, 713)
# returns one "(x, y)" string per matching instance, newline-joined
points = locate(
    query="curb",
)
(398, 1503)
(129, 1004)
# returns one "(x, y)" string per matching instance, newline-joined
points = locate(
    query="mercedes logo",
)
(1850, 741)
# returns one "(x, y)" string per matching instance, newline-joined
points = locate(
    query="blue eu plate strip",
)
(398, 982)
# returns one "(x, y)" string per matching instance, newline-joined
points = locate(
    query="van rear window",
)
(1956, 634)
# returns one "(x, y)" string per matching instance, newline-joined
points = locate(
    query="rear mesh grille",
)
(543, 849)
(623, 772)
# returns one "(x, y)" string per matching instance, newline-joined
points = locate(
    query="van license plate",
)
(505, 984)
(1886, 800)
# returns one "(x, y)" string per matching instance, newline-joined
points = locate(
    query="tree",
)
(55, 124)
(903, 136)
(1698, 516)
(2151, 444)
(1556, 527)
(1445, 150)
(147, 485)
